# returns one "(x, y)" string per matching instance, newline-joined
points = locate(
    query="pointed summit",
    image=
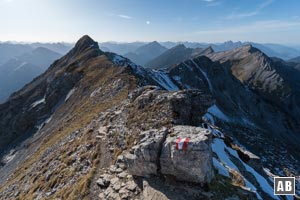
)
(84, 49)
(85, 45)
(85, 42)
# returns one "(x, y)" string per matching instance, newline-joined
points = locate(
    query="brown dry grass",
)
(223, 187)
(83, 113)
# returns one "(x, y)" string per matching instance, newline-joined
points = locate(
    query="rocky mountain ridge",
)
(81, 129)
(271, 50)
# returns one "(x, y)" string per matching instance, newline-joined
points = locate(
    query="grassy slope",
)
(81, 110)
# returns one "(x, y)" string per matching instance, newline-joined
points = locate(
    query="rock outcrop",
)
(183, 107)
(145, 158)
(158, 154)
(193, 164)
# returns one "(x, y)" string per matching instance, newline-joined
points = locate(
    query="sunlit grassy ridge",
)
(74, 115)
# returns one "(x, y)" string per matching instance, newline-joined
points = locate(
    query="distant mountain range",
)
(60, 47)
(20, 63)
(19, 70)
(174, 56)
(272, 50)
(10, 50)
(40, 56)
(36, 57)
(146, 52)
(120, 48)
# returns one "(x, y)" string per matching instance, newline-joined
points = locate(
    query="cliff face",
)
(263, 118)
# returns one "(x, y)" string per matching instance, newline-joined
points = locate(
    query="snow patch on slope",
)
(221, 150)
(162, 78)
(20, 66)
(209, 118)
(95, 92)
(221, 168)
(41, 124)
(178, 80)
(38, 102)
(216, 112)
(71, 92)
(260, 179)
(204, 74)
(218, 146)
(9, 157)
(122, 61)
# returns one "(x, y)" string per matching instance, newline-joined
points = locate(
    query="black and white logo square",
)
(284, 185)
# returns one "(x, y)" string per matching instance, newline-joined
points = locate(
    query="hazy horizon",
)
(209, 21)
(294, 45)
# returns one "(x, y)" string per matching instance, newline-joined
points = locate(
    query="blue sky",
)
(265, 21)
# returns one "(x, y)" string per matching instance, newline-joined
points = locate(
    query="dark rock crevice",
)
(160, 148)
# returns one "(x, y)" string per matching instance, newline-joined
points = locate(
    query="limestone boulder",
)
(191, 158)
(145, 157)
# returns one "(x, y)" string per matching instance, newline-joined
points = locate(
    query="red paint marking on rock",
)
(182, 143)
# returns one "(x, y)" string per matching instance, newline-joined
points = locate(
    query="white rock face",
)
(144, 160)
(193, 162)
(156, 154)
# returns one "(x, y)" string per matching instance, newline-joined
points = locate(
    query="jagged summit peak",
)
(84, 49)
(85, 38)
(86, 42)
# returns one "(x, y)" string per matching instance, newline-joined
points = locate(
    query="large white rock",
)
(144, 160)
(193, 164)
(156, 154)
